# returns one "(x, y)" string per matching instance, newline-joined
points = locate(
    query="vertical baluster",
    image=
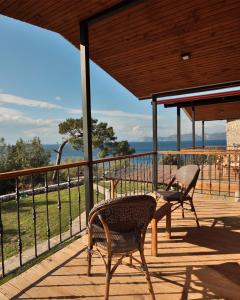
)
(215, 167)
(219, 176)
(129, 176)
(97, 183)
(158, 163)
(34, 217)
(125, 176)
(79, 199)
(59, 207)
(238, 184)
(69, 202)
(110, 175)
(1, 240)
(210, 173)
(137, 173)
(142, 171)
(144, 174)
(134, 177)
(202, 164)
(104, 183)
(229, 170)
(235, 162)
(140, 174)
(148, 169)
(121, 172)
(170, 168)
(163, 168)
(115, 191)
(18, 222)
(47, 211)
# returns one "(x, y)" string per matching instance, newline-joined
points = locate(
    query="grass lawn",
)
(9, 214)
(127, 186)
(9, 218)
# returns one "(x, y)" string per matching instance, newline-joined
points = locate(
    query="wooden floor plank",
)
(196, 263)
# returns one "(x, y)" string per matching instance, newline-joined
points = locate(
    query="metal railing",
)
(43, 207)
(219, 169)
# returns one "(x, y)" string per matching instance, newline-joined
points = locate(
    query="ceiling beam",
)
(125, 4)
(192, 90)
(205, 102)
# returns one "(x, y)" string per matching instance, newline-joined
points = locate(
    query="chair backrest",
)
(125, 214)
(187, 177)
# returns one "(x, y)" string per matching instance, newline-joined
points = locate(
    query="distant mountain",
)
(188, 137)
(216, 136)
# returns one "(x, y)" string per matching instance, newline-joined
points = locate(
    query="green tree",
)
(3, 155)
(122, 148)
(103, 136)
(22, 155)
(30, 154)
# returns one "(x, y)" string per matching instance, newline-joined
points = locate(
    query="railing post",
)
(87, 119)
(178, 129)
(155, 144)
(193, 126)
(178, 135)
(203, 134)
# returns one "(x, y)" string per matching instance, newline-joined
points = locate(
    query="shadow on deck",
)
(195, 264)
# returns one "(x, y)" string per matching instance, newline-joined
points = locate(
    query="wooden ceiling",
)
(218, 111)
(141, 47)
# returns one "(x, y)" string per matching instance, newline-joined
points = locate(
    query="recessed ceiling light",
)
(185, 56)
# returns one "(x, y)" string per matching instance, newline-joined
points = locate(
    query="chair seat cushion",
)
(169, 195)
(121, 241)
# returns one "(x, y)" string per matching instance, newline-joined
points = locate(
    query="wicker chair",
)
(185, 180)
(117, 228)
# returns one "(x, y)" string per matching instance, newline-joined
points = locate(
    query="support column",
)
(203, 134)
(87, 119)
(178, 129)
(155, 144)
(193, 127)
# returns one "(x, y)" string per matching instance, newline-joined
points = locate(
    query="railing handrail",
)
(97, 161)
(206, 152)
(40, 170)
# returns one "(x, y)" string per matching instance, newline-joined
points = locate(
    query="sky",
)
(40, 86)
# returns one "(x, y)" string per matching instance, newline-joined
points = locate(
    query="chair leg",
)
(108, 276)
(194, 211)
(89, 259)
(130, 260)
(145, 269)
(182, 210)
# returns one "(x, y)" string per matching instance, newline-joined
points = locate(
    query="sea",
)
(140, 147)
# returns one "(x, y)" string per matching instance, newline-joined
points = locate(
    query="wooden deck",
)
(195, 264)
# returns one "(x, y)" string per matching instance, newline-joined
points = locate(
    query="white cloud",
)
(17, 117)
(12, 99)
(75, 111)
(58, 98)
(120, 114)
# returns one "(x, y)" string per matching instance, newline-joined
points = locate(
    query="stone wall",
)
(233, 132)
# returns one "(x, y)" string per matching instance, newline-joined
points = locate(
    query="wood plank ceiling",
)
(142, 47)
(218, 111)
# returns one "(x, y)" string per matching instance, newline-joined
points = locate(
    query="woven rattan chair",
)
(117, 228)
(184, 182)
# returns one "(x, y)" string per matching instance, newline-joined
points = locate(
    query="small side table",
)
(163, 210)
